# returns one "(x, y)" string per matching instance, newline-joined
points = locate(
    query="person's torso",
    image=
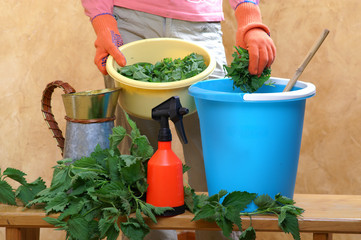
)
(190, 10)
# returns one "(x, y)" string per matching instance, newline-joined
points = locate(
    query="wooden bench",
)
(324, 215)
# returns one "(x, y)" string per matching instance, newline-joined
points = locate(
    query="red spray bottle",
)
(165, 170)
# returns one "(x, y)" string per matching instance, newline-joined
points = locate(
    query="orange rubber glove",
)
(254, 36)
(107, 42)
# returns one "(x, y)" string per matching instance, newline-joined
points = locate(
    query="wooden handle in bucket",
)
(47, 113)
(305, 62)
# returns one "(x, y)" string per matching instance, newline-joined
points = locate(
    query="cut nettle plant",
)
(238, 72)
(93, 193)
(166, 70)
(228, 212)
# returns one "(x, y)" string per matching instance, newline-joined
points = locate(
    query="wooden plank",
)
(186, 235)
(320, 206)
(14, 216)
(322, 236)
(324, 214)
(13, 233)
(22, 233)
(30, 233)
(330, 213)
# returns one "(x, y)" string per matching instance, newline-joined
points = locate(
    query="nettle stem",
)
(89, 169)
(265, 211)
(95, 208)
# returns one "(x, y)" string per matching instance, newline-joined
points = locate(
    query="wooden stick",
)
(305, 62)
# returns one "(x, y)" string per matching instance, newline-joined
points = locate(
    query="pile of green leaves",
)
(239, 73)
(93, 193)
(228, 212)
(166, 70)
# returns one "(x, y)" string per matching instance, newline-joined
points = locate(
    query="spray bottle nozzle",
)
(173, 110)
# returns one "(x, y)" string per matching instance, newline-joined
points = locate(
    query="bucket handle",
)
(47, 113)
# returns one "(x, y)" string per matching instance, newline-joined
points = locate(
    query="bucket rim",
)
(307, 90)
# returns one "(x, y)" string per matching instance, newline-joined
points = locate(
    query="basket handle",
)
(47, 113)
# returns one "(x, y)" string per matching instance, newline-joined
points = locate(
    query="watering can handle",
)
(47, 113)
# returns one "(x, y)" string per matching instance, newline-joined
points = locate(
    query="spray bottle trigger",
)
(180, 130)
(176, 116)
(173, 110)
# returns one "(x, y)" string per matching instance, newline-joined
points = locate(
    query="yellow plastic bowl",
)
(138, 98)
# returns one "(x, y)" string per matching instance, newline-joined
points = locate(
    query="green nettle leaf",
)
(264, 201)
(73, 209)
(127, 160)
(233, 215)
(61, 180)
(248, 234)
(7, 195)
(217, 197)
(188, 197)
(139, 75)
(100, 155)
(177, 74)
(185, 168)
(134, 172)
(142, 148)
(158, 210)
(78, 228)
(104, 226)
(142, 185)
(147, 210)
(113, 166)
(139, 217)
(134, 230)
(58, 203)
(55, 222)
(64, 162)
(78, 189)
(86, 162)
(110, 212)
(294, 210)
(15, 174)
(290, 225)
(118, 135)
(238, 71)
(135, 131)
(199, 201)
(207, 212)
(284, 200)
(27, 193)
(282, 216)
(85, 175)
(42, 197)
(238, 200)
(126, 206)
(112, 189)
(226, 226)
(113, 232)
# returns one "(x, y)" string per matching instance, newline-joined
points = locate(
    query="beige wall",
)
(42, 41)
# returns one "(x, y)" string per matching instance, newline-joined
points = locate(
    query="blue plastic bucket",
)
(251, 141)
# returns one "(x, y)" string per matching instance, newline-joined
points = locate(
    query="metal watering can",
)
(89, 115)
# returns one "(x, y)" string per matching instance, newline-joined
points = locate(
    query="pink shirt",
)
(189, 10)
